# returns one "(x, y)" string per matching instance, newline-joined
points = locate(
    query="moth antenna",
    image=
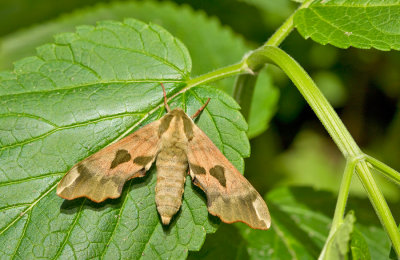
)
(165, 98)
(200, 109)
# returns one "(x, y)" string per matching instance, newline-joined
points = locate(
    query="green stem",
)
(387, 171)
(239, 68)
(379, 204)
(307, 87)
(286, 28)
(244, 87)
(340, 203)
(218, 74)
(334, 126)
(343, 195)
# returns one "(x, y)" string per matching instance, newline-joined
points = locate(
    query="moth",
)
(177, 145)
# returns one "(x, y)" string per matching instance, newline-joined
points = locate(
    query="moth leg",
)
(165, 98)
(200, 109)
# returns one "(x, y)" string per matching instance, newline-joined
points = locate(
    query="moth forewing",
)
(103, 174)
(229, 195)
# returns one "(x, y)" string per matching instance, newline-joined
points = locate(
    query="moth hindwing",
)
(178, 146)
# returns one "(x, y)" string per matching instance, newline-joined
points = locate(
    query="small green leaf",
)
(338, 245)
(359, 247)
(263, 105)
(344, 23)
(78, 95)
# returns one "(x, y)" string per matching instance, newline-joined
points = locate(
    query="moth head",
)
(176, 122)
(177, 112)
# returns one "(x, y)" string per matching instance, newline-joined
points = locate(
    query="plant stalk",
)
(334, 126)
(218, 74)
(286, 28)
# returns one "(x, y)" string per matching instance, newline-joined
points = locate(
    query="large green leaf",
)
(78, 95)
(225, 48)
(358, 23)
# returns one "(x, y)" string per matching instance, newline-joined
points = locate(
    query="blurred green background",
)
(362, 85)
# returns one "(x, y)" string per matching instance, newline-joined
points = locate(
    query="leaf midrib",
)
(92, 84)
(60, 128)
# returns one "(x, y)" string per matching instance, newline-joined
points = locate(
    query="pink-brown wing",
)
(103, 174)
(229, 195)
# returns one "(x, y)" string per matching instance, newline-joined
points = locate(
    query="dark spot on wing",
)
(84, 173)
(83, 179)
(218, 172)
(119, 182)
(143, 160)
(121, 156)
(197, 170)
(165, 121)
(187, 127)
(211, 197)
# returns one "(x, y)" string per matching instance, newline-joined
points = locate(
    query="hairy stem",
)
(228, 71)
(334, 126)
(342, 196)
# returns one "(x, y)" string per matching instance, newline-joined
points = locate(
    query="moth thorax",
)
(171, 173)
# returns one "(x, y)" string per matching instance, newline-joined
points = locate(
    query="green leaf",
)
(344, 23)
(225, 48)
(263, 105)
(359, 247)
(339, 244)
(226, 243)
(78, 95)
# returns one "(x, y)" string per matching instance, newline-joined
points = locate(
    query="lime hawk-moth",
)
(176, 144)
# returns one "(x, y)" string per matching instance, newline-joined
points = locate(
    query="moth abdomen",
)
(171, 174)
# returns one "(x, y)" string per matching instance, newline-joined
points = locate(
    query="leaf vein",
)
(117, 222)
(85, 123)
(30, 178)
(28, 209)
(74, 223)
(145, 53)
(22, 236)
